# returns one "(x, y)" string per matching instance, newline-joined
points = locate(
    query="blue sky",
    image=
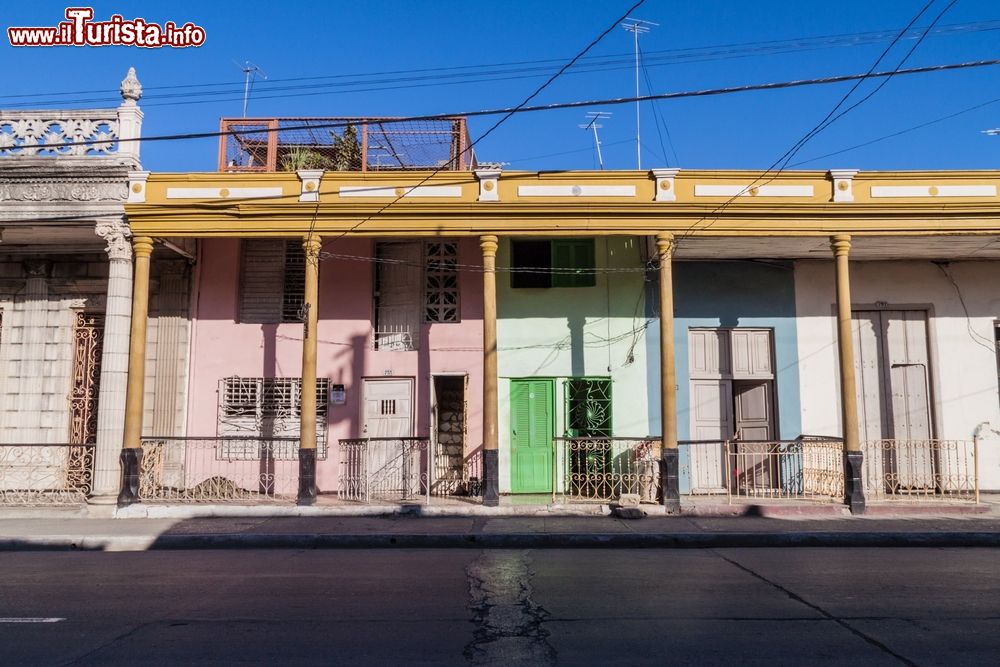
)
(745, 131)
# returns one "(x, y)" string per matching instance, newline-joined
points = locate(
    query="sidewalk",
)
(417, 529)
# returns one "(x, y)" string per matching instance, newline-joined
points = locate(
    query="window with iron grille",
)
(441, 282)
(588, 407)
(398, 295)
(265, 408)
(272, 281)
(552, 263)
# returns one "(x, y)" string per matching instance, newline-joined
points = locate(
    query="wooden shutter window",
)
(262, 277)
(573, 263)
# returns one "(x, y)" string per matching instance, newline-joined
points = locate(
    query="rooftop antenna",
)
(249, 72)
(593, 118)
(637, 27)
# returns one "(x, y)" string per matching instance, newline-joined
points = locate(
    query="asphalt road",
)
(495, 607)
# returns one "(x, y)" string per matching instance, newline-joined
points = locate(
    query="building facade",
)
(818, 334)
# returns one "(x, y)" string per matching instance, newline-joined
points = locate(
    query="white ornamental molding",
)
(137, 186)
(489, 185)
(843, 184)
(665, 190)
(576, 191)
(118, 236)
(711, 190)
(879, 191)
(310, 180)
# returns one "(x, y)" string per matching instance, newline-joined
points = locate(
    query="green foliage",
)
(303, 158)
(346, 150)
(344, 154)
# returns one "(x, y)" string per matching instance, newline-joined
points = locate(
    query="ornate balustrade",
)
(384, 468)
(29, 133)
(604, 469)
(242, 469)
(921, 469)
(45, 474)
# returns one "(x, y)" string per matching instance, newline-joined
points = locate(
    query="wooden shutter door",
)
(262, 281)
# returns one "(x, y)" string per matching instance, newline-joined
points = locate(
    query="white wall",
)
(963, 359)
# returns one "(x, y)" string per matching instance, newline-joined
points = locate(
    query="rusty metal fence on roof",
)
(344, 144)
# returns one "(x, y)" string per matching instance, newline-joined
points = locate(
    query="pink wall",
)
(222, 347)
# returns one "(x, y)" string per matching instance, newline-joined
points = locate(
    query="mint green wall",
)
(577, 331)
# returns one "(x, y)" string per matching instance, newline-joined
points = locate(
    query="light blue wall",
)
(729, 294)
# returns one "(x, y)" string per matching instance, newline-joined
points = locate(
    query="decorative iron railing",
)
(604, 469)
(921, 469)
(803, 468)
(220, 469)
(453, 476)
(385, 468)
(45, 474)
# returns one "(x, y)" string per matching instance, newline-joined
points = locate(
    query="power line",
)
(593, 63)
(823, 124)
(897, 133)
(708, 92)
(503, 119)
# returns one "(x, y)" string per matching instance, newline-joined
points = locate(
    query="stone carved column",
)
(114, 359)
(35, 314)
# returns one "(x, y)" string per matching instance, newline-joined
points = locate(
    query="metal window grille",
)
(588, 407)
(267, 407)
(293, 296)
(272, 281)
(441, 282)
(398, 295)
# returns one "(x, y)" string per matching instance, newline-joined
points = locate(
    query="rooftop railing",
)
(344, 144)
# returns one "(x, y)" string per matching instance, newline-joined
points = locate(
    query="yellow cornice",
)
(235, 204)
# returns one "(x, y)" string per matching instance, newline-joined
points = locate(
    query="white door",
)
(393, 466)
(891, 364)
(388, 408)
(711, 419)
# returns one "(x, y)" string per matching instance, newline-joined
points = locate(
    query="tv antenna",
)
(249, 72)
(637, 27)
(593, 123)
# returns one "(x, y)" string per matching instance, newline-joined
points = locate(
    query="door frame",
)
(510, 427)
(932, 356)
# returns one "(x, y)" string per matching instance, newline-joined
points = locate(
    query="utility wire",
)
(708, 92)
(593, 63)
(897, 133)
(501, 121)
(788, 154)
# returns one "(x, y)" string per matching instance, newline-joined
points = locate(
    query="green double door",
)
(532, 424)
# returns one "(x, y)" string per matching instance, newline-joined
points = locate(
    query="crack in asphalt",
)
(509, 623)
(836, 619)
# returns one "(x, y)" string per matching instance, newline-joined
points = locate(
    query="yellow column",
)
(132, 436)
(307, 429)
(853, 487)
(491, 442)
(670, 464)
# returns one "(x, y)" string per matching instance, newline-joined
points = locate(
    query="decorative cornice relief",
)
(63, 191)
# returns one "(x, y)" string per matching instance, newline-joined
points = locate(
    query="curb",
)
(505, 541)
